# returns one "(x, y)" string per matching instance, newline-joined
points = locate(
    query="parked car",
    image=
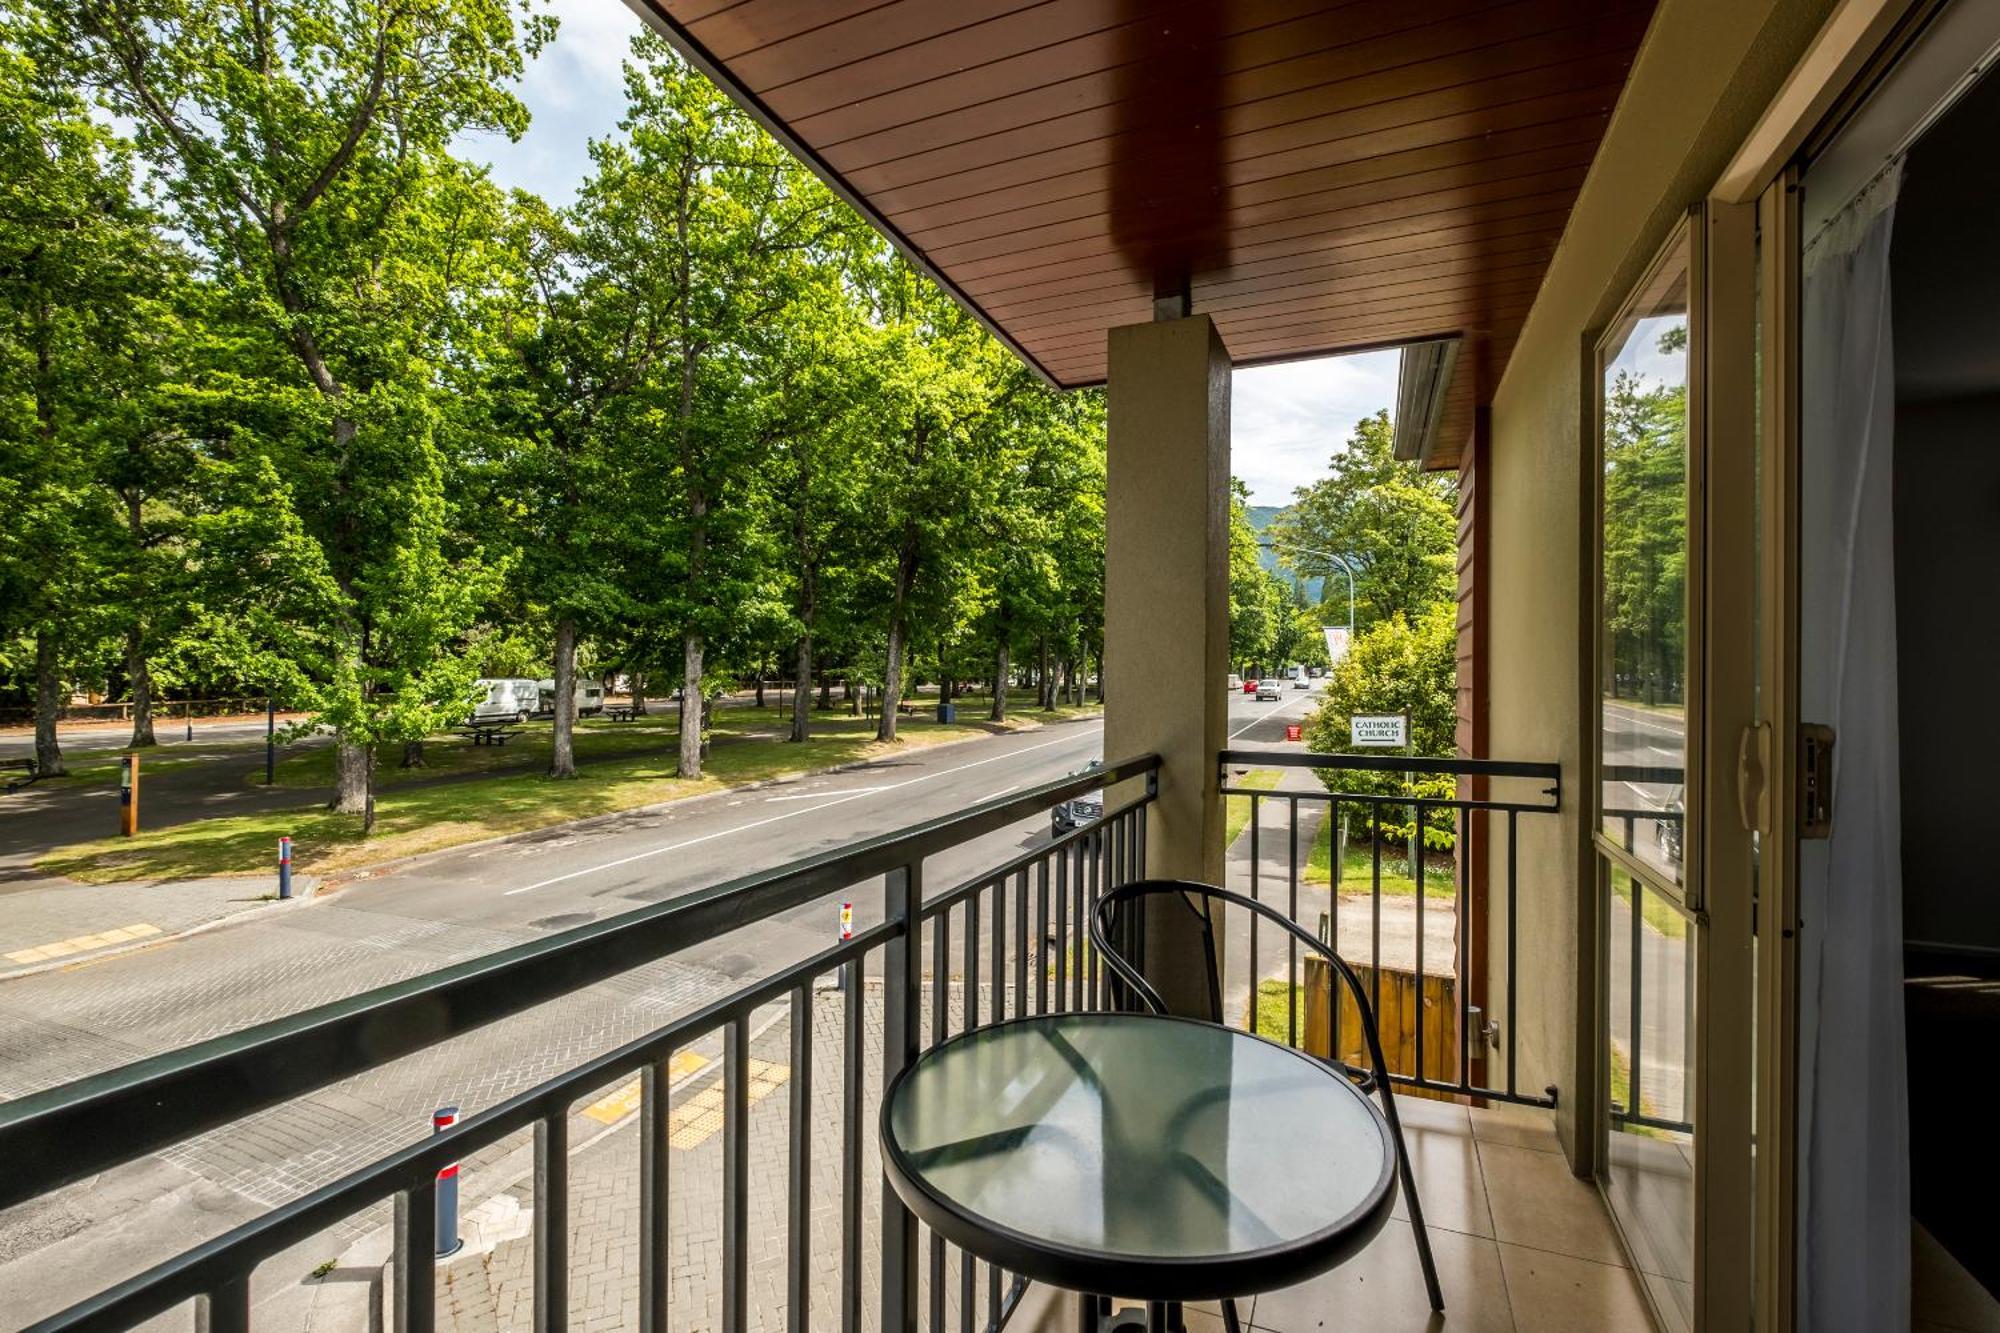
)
(1667, 828)
(1250, 686)
(1268, 689)
(1078, 810)
(1299, 682)
(1235, 682)
(508, 699)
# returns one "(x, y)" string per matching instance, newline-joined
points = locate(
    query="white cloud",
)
(574, 92)
(1287, 420)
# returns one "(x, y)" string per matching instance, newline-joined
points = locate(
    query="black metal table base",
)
(1095, 1315)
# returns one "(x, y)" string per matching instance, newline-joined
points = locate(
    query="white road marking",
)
(995, 795)
(1270, 712)
(816, 795)
(772, 819)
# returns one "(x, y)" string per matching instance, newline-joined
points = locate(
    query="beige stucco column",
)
(1166, 593)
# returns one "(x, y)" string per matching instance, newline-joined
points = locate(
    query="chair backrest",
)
(1117, 930)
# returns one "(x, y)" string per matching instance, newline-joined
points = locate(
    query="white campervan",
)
(589, 695)
(510, 699)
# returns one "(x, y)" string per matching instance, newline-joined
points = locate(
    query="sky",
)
(1286, 421)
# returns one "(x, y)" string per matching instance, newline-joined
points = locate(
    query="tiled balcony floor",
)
(1521, 1244)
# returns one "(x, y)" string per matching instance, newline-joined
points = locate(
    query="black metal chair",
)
(1119, 935)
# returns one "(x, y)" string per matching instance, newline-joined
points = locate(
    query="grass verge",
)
(636, 769)
(1357, 869)
(1236, 809)
(1655, 912)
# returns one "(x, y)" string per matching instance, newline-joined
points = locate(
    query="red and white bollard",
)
(448, 1240)
(284, 867)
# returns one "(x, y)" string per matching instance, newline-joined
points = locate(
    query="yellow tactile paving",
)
(610, 1109)
(139, 930)
(697, 1119)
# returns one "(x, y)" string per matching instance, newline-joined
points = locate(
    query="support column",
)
(1166, 605)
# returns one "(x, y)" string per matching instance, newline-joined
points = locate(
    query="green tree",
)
(1395, 666)
(1252, 608)
(1645, 534)
(305, 151)
(1396, 525)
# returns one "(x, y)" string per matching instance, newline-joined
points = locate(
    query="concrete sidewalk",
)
(50, 924)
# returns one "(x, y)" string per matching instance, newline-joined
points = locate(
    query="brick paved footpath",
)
(491, 1286)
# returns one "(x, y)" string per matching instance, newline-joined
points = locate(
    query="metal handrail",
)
(55, 1137)
(1067, 875)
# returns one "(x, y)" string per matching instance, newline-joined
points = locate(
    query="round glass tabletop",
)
(1130, 1154)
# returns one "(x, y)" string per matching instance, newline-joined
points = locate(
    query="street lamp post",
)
(1340, 560)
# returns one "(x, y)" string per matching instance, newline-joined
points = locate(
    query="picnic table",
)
(490, 734)
(619, 712)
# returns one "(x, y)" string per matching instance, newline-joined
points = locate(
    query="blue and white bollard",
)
(284, 867)
(449, 1242)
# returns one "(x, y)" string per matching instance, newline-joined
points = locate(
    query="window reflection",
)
(1644, 555)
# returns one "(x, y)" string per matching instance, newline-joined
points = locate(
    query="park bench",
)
(29, 769)
(493, 735)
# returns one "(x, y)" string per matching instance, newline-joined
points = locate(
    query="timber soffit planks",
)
(1330, 176)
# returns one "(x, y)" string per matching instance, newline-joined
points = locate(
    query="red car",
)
(1249, 687)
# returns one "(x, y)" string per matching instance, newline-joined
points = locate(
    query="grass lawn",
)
(101, 767)
(631, 764)
(1274, 1013)
(1357, 869)
(1656, 913)
(1236, 809)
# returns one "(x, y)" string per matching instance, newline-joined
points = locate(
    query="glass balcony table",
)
(1160, 1158)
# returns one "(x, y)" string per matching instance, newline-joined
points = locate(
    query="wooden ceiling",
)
(1325, 177)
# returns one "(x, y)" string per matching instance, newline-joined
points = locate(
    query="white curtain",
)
(1854, 1206)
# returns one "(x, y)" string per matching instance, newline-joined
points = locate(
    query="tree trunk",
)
(802, 689)
(760, 685)
(1045, 696)
(892, 677)
(1002, 669)
(141, 675)
(691, 710)
(48, 703)
(353, 777)
(413, 754)
(1100, 673)
(847, 692)
(562, 758)
(825, 690)
(638, 683)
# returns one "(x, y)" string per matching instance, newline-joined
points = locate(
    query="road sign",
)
(1381, 731)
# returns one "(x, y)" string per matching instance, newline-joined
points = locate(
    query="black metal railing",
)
(1656, 835)
(1030, 957)
(1478, 821)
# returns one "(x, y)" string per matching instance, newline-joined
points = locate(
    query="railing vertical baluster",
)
(850, 1150)
(971, 960)
(736, 1176)
(998, 964)
(936, 1324)
(1097, 854)
(798, 1168)
(1152, 789)
(1336, 842)
(1079, 940)
(901, 998)
(1256, 862)
(416, 1265)
(226, 1309)
(1417, 874)
(1062, 928)
(654, 1263)
(1375, 907)
(1462, 854)
(1513, 930)
(552, 1221)
(1291, 944)
(992, 1297)
(1021, 942)
(1042, 960)
(1637, 998)
(968, 1290)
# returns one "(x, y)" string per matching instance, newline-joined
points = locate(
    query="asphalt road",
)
(460, 904)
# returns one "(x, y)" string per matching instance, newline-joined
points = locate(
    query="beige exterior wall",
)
(1706, 71)
(1166, 600)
